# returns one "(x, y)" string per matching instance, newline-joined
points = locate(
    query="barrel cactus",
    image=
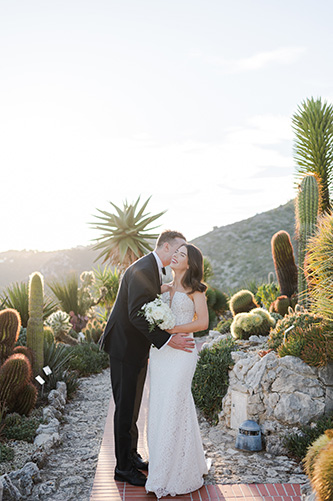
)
(307, 209)
(15, 373)
(35, 335)
(322, 479)
(26, 399)
(242, 301)
(10, 325)
(284, 263)
(313, 451)
(255, 322)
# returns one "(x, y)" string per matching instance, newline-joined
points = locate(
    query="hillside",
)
(239, 252)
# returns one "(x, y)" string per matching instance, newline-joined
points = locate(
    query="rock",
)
(25, 478)
(10, 492)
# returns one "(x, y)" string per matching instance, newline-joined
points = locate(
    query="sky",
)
(187, 101)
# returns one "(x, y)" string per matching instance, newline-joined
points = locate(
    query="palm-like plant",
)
(313, 145)
(108, 279)
(16, 296)
(125, 234)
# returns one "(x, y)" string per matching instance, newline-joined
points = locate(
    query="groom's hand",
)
(182, 342)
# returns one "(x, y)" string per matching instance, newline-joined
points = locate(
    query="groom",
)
(127, 340)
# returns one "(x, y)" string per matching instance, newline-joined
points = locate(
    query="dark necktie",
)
(163, 271)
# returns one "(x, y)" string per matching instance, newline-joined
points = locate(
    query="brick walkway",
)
(105, 488)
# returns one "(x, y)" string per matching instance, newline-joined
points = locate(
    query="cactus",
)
(93, 330)
(313, 451)
(59, 321)
(26, 399)
(27, 352)
(242, 301)
(307, 208)
(35, 335)
(48, 335)
(284, 263)
(256, 322)
(280, 305)
(10, 325)
(15, 373)
(322, 479)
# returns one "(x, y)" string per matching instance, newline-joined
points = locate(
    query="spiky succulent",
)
(126, 234)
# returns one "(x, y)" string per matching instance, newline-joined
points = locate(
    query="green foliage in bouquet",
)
(242, 301)
(256, 322)
(299, 318)
(210, 382)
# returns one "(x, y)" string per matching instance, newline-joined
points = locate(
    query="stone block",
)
(238, 409)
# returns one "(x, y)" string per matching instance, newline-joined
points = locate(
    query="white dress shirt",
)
(160, 266)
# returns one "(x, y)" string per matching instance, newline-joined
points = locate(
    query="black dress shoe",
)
(138, 462)
(133, 477)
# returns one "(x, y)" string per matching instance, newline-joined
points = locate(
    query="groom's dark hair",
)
(167, 236)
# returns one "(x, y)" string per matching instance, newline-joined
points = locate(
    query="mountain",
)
(239, 252)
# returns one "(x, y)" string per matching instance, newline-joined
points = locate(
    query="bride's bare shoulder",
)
(166, 287)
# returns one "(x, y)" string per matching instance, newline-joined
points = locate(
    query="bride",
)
(176, 457)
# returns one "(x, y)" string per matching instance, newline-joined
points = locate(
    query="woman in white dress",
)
(176, 457)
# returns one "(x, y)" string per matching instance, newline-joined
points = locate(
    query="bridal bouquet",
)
(158, 313)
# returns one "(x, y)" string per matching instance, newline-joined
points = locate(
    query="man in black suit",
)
(127, 340)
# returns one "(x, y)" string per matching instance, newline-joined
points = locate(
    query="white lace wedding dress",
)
(176, 457)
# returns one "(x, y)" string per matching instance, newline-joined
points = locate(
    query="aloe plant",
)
(313, 145)
(125, 234)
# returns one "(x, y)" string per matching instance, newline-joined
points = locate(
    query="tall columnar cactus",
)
(10, 324)
(284, 263)
(35, 333)
(15, 373)
(307, 207)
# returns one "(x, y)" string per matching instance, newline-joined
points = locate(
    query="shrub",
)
(6, 453)
(20, 427)
(210, 382)
(255, 322)
(298, 442)
(299, 318)
(266, 294)
(88, 359)
(310, 344)
(224, 326)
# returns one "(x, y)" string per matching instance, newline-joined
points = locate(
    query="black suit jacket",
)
(126, 335)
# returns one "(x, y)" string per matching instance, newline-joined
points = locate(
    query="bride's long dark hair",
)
(192, 278)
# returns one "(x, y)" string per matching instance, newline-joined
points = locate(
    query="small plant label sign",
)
(47, 370)
(40, 380)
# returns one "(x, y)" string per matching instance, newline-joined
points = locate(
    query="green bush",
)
(210, 382)
(88, 359)
(266, 294)
(298, 442)
(223, 326)
(20, 427)
(6, 453)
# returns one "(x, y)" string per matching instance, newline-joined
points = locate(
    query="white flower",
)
(158, 313)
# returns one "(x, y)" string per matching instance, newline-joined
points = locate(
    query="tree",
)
(125, 234)
(313, 145)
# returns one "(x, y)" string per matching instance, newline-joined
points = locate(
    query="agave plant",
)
(16, 296)
(313, 146)
(125, 235)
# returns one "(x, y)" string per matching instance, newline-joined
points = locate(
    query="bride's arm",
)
(201, 322)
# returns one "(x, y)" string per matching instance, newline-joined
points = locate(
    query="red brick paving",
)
(105, 488)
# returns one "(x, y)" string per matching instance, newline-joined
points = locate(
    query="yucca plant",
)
(126, 234)
(313, 145)
(16, 296)
(319, 268)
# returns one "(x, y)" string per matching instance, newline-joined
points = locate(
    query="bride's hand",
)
(172, 331)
